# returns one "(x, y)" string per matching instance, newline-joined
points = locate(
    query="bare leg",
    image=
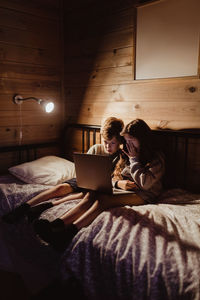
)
(61, 231)
(83, 215)
(33, 208)
(78, 210)
(67, 198)
(57, 191)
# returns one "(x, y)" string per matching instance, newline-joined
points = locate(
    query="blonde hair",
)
(112, 127)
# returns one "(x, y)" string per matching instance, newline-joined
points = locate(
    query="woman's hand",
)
(126, 185)
(132, 151)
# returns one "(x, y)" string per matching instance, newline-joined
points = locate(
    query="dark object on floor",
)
(56, 233)
(58, 289)
(13, 287)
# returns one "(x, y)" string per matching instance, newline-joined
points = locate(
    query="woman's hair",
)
(112, 127)
(140, 130)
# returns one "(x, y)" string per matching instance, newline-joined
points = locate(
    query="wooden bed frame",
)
(27, 152)
(181, 148)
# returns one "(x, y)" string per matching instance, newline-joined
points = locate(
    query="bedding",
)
(145, 252)
(49, 170)
(21, 251)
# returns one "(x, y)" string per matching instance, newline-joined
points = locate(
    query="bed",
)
(144, 252)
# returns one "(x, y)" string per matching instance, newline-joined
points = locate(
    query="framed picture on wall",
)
(167, 39)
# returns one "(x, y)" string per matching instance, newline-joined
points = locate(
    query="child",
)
(112, 140)
(143, 174)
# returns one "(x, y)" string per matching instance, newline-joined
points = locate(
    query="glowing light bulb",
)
(49, 107)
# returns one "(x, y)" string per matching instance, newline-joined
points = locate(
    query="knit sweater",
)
(148, 178)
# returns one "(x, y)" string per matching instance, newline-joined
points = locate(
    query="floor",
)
(13, 288)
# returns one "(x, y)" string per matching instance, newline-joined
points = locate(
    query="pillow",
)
(49, 170)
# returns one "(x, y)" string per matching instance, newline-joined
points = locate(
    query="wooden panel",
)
(29, 55)
(40, 87)
(107, 42)
(156, 114)
(21, 37)
(30, 65)
(101, 77)
(23, 71)
(99, 21)
(28, 22)
(174, 115)
(106, 59)
(48, 151)
(100, 84)
(169, 91)
(42, 8)
(28, 118)
(111, 5)
(10, 135)
(6, 102)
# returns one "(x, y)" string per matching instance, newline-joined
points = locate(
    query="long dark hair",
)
(139, 129)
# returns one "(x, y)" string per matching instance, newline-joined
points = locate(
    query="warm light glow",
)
(49, 107)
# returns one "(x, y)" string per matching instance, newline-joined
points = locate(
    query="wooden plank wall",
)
(99, 71)
(30, 65)
(99, 75)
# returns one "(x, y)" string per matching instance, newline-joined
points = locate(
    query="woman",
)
(143, 173)
(110, 133)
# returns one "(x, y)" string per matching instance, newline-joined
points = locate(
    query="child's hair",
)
(140, 130)
(112, 127)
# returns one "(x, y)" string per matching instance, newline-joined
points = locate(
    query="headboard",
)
(16, 154)
(181, 149)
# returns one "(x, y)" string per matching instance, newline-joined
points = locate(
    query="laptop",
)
(93, 172)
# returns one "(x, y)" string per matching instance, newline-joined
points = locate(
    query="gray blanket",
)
(143, 252)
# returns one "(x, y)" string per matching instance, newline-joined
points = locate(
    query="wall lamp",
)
(48, 106)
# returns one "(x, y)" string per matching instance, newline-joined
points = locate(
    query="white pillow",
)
(49, 170)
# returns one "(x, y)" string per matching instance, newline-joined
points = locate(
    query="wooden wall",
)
(99, 71)
(90, 76)
(31, 63)
(99, 76)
